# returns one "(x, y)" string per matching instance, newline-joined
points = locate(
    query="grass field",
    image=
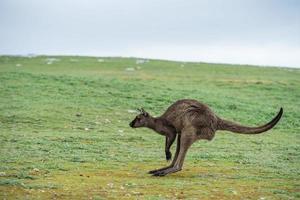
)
(64, 130)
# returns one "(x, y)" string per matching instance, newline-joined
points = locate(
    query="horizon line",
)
(32, 55)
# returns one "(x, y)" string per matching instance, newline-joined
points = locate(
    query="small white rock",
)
(36, 170)
(49, 61)
(2, 174)
(130, 69)
(140, 61)
(111, 185)
(132, 111)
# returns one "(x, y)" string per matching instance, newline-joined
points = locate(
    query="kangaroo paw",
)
(166, 171)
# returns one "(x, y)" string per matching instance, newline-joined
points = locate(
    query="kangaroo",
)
(191, 121)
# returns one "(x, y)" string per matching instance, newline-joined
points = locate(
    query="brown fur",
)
(192, 121)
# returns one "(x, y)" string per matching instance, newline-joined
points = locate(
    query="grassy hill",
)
(64, 129)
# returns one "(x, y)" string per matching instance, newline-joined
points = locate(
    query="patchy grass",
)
(64, 129)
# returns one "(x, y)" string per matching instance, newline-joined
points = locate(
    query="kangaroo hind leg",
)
(187, 139)
(174, 159)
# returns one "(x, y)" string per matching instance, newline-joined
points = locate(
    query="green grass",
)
(64, 130)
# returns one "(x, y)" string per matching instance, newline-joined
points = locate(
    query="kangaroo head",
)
(141, 120)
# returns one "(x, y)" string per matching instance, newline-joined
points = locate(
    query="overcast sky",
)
(263, 32)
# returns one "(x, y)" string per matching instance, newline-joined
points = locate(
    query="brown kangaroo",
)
(192, 121)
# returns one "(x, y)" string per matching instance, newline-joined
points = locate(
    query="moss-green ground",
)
(64, 130)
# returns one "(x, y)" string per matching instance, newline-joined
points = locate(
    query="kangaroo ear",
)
(144, 112)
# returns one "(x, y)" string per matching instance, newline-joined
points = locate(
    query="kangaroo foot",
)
(158, 170)
(166, 171)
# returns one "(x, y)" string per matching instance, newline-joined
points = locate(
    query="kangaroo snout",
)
(131, 124)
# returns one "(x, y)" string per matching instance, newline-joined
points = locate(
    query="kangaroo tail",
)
(237, 128)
